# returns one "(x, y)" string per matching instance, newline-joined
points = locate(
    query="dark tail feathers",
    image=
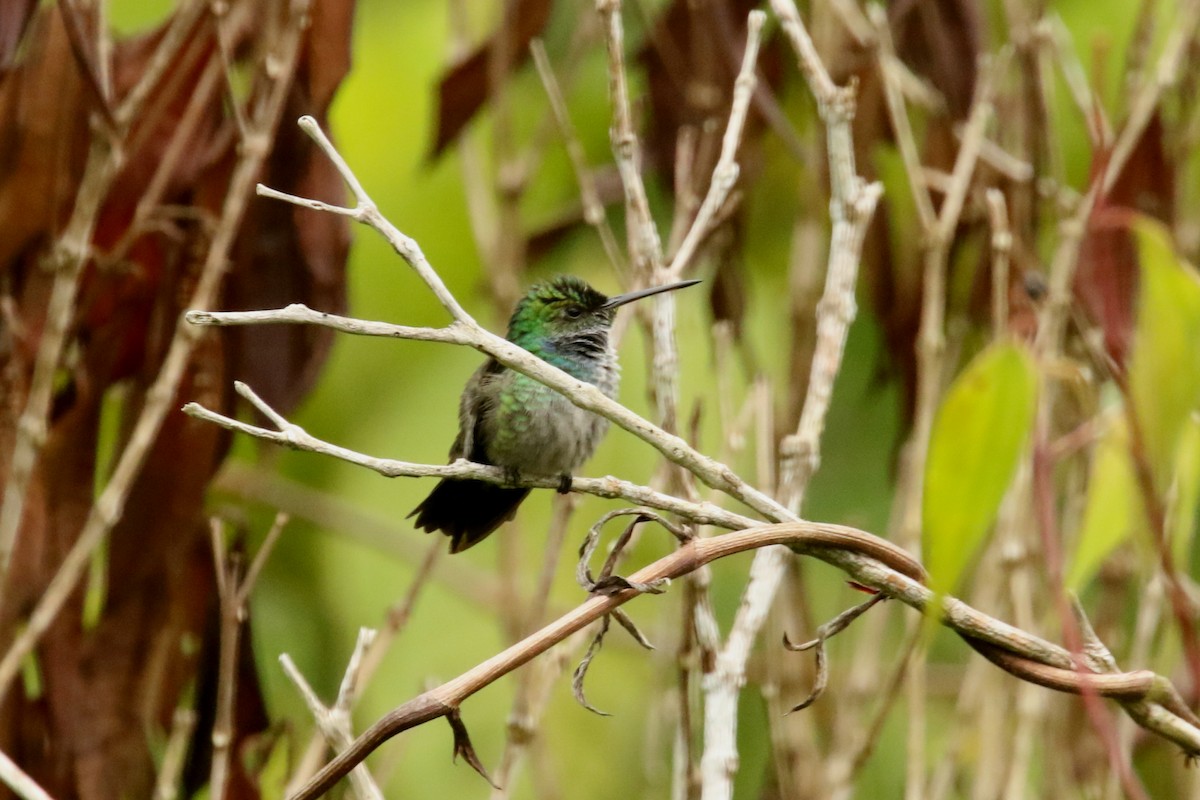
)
(467, 510)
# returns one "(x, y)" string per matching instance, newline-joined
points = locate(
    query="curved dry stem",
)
(868, 559)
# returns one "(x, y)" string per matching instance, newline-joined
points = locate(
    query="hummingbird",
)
(511, 421)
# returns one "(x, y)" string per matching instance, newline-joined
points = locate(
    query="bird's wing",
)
(471, 408)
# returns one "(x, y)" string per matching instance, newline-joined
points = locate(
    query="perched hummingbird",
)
(512, 421)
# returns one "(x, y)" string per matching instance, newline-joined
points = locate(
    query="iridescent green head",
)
(566, 314)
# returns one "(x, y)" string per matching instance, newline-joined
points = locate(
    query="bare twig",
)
(15, 778)
(825, 632)
(260, 559)
(229, 574)
(365, 666)
(234, 587)
(593, 208)
(334, 721)
(852, 205)
(296, 437)
(1001, 248)
(726, 171)
(898, 116)
(644, 243)
(166, 784)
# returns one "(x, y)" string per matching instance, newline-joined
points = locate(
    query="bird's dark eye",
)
(574, 312)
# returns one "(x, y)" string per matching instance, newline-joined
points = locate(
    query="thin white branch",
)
(1002, 240)
(334, 721)
(644, 242)
(166, 784)
(466, 331)
(16, 779)
(852, 204)
(725, 173)
(292, 435)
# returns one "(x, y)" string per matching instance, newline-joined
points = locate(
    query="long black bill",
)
(629, 297)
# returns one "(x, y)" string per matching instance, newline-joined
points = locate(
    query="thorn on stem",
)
(464, 748)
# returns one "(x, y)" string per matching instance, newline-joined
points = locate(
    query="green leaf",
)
(1181, 514)
(1114, 509)
(1164, 370)
(977, 441)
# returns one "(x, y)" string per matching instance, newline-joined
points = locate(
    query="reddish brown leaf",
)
(465, 87)
(1147, 183)
(15, 16)
(326, 58)
(941, 40)
(42, 143)
(1106, 280)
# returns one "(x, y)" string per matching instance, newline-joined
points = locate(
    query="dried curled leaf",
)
(581, 670)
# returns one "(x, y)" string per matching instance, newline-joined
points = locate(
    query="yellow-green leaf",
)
(1114, 509)
(977, 441)
(1164, 370)
(1181, 516)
